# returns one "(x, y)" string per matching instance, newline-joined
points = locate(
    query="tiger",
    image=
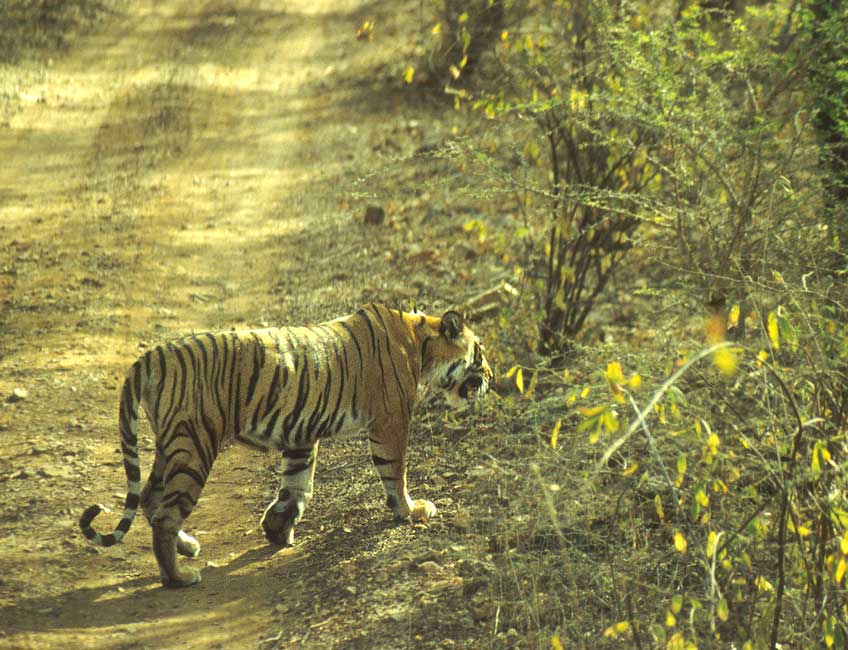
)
(284, 388)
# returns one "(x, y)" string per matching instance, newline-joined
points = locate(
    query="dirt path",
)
(174, 173)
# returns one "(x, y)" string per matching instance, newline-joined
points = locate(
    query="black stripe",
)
(353, 338)
(370, 329)
(193, 474)
(133, 472)
(404, 397)
(299, 454)
(231, 394)
(212, 378)
(173, 406)
(137, 380)
(269, 430)
(379, 460)
(200, 448)
(297, 469)
(258, 363)
(331, 419)
(161, 385)
(302, 394)
(183, 380)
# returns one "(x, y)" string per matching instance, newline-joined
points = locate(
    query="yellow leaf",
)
(733, 316)
(519, 381)
(555, 434)
(719, 486)
(366, 31)
(702, 498)
(840, 570)
(585, 392)
(843, 543)
(630, 470)
(712, 539)
(437, 28)
(511, 371)
(610, 420)
(614, 630)
(463, 17)
(614, 373)
(726, 361)
(454, 71)
(590, 412)
(712, 443)
(680, 543)
(556, 644)
(762, 357)
(409, 74)
(504, 36)
(615, 378)
(722, 610)
(659, 506)
(670, 620)
(763, 584)
(676, 603)
(635, 381)
(773, 331)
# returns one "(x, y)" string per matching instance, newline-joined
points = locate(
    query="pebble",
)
(17, 395)
(429, 568)
(374, 215)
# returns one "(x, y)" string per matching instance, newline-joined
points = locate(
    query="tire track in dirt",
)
(155, 190)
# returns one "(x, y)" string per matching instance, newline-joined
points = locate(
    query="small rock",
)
(429, 568)
(462, 521)
(17, 395)
(374, 215)
(481, 608)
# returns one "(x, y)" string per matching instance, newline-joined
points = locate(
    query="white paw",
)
(422, 510)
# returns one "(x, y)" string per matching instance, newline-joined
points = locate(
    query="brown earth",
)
(189, 166)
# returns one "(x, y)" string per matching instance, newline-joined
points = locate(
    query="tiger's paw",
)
(187, 545)
(186, 576)
(422, 510)
(279, 518)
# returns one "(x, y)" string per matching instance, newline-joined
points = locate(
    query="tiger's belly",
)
(275, 433)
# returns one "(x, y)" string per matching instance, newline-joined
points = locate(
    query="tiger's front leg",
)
(388, 451)
(282, 515)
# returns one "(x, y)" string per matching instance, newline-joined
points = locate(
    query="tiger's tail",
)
(128, 423)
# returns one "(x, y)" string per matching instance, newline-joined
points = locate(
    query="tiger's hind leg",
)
(151, 497)
(186, 471)
(282, 515)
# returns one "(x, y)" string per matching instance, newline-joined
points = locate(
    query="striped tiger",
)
(282, 388)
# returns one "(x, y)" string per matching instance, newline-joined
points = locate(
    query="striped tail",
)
(130, 397)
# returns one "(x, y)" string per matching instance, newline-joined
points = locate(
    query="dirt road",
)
(182, 169)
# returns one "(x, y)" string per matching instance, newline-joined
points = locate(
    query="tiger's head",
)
(453, 361)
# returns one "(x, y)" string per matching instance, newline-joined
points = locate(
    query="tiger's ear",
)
(452, 325)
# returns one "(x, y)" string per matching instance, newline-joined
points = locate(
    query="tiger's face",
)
(454, 362)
